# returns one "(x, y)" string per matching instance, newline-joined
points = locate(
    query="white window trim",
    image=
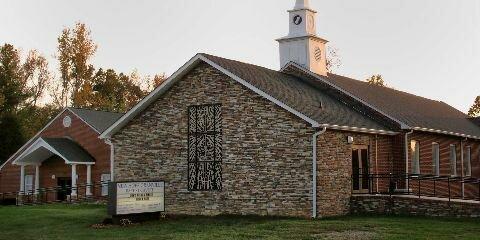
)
(468, 161)
(29, 186)
(415, 157)
(453, 160)
(436, 158)
(105, 179)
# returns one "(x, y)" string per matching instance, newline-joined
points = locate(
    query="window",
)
(453, 160)
(415, 153)
(28, 184)
(436, 159)
(205, 148)
(105, 179)
(467, 162)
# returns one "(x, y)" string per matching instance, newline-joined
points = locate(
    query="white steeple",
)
(302, 45)
(302, 4)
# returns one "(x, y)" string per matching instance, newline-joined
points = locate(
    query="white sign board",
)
(140, 197)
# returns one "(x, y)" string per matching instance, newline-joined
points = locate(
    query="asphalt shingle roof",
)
(100, 120)
(299, 95)
(410, 109)
(70, 150)
(476, 120)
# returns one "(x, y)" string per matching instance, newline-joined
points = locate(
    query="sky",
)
(429, 48)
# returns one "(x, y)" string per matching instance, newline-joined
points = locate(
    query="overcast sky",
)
(426, 47)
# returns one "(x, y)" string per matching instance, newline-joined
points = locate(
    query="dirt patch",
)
(346, 235)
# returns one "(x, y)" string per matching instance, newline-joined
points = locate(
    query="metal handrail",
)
(391, 182)
(41, 196)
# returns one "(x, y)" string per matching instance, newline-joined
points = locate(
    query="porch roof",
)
(44, 148)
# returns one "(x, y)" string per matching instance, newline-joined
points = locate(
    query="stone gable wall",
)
(267, 150)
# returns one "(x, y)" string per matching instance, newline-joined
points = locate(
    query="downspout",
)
(108, 141)
(406, 161)
(314, 171)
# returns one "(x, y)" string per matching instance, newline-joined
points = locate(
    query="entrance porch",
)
(45, 150)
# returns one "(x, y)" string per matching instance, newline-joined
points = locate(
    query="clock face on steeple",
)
(297, 20)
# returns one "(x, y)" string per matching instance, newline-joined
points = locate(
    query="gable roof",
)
(99, 120)
(300, 95)
(414, 111)
(44, 148)
(286, 91)
(318, 107)
(91, 117)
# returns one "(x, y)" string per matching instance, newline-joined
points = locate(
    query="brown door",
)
(63, 188)
(360, 169)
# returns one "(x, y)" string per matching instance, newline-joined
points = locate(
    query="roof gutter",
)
(314, 171)
(361, 130)
(446, 133)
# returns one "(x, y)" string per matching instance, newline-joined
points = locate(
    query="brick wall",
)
(81, 133)
(426, 164)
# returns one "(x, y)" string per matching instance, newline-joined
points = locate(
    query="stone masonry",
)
(267, 151)
(267, 161)
(408, 205)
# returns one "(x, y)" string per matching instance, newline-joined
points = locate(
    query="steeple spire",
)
(302, 4)
(302, 45)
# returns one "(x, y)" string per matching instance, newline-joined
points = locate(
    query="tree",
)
(376, 80)
(333, 59)
(475, 109)
(74, 52)
(157, 81)
(12, 137)
(37, 77)
(33, 118)
(22, 83)
(12, 82)
(110, 91)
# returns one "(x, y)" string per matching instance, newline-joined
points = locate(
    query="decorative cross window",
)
(205, 148)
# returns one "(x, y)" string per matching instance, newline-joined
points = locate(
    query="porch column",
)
(37, 179)
(22, 180)
(74, 180)
(89, 180)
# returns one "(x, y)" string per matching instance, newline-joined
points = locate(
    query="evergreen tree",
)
(475, 109)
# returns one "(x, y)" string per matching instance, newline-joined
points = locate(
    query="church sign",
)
(127, 198)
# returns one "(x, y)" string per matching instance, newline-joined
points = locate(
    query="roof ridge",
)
(94, 110)
(237, 61)
(385, 87)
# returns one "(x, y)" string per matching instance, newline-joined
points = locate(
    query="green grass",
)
(75, 222)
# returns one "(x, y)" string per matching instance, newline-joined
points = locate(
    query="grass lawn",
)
(75, 222)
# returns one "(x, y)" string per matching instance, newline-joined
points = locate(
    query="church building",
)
(233, 138)
(228, 137)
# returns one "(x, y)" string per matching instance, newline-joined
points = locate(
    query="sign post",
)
(136, 201)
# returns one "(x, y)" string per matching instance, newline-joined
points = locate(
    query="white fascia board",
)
(176, 76)
(42, 143)
(445, 133)
(360, 130)
(33, 138)
(402, 125)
